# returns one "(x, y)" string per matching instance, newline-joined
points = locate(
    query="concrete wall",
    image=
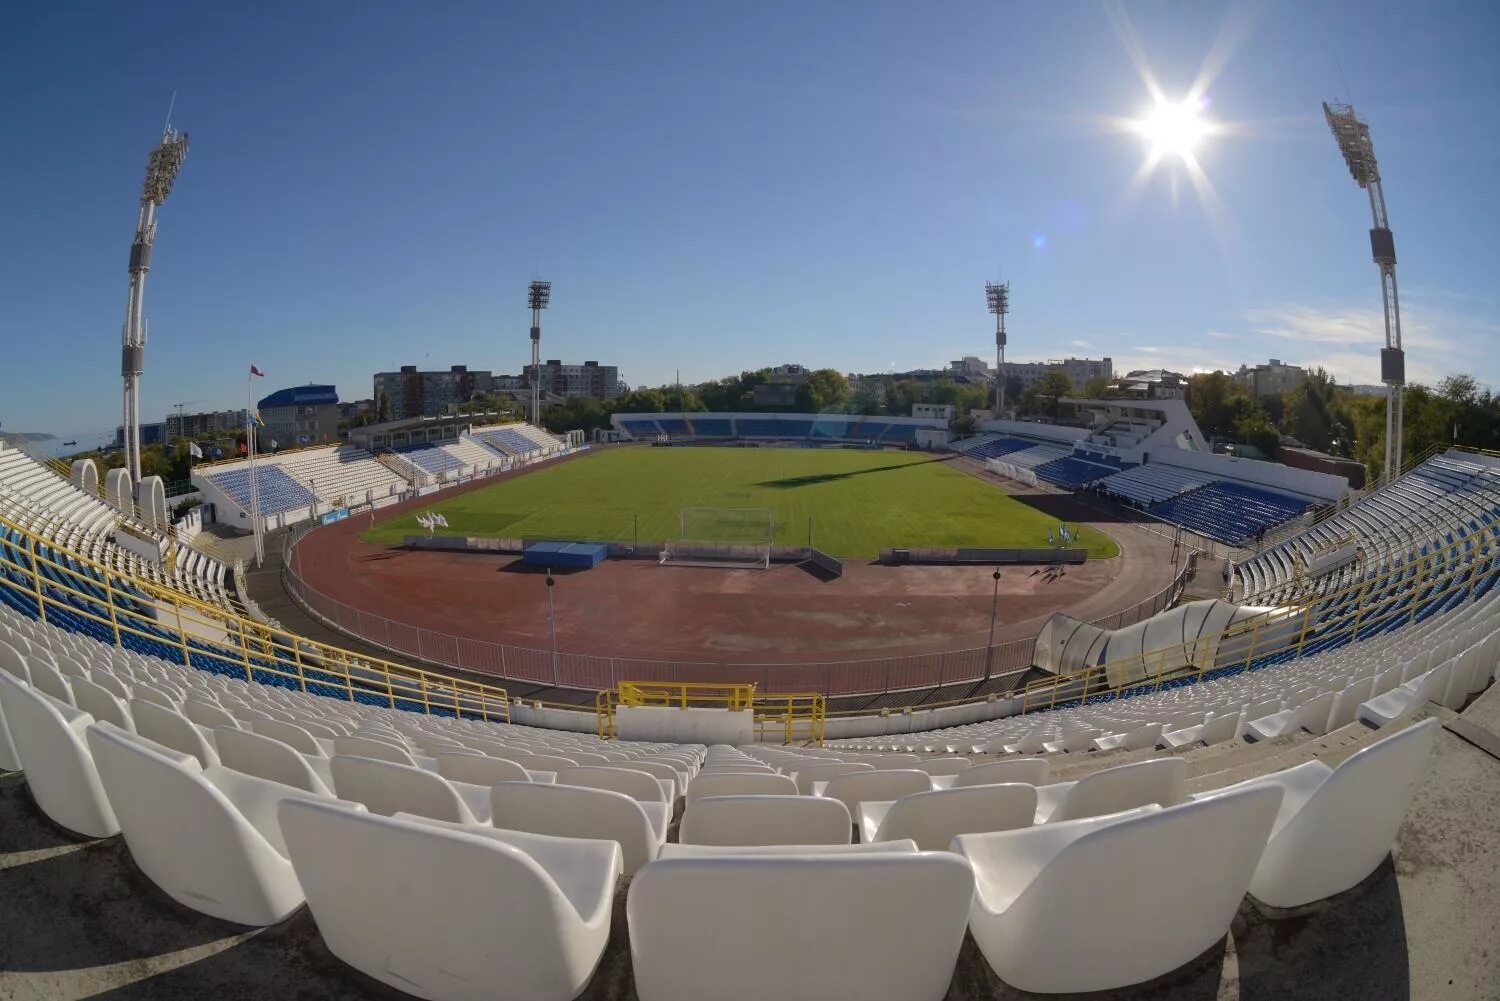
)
(1048, 432)
(685, 726)
(1271, 475)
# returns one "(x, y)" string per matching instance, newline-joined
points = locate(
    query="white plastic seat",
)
(934, 819)
(454, 914)
(48, 739)
(646, 790)
(295, 735)
(1137, 739)
(806, 774)
(637, 785)
(188, 837)
(576, 812)
(1078, 740)
(540, 762)
(170, 728)
(203, 714)
(1385, 709)
(767, 783)
(388, 787)
(1031, 743)
(1111, 790)
(856, 787)
(265, 757)
(371, 747)
(659, 770)
(1335, 825)
(110, 683)
(1346, 703)
(766, 820)
(1311, 716)
(100, 703)
(833, 936)
(48, 680)
(1044, 925)
(157, 694)
(943, 766)
(479, 769)
(1032, 771)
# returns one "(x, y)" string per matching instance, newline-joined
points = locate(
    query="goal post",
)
(735, 537)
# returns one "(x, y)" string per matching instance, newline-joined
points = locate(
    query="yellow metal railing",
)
(77, 591)
(1396, 593)
(791, 717)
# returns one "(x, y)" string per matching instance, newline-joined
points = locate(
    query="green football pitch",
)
(854, 503)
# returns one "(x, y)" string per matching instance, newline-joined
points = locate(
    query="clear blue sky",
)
(713, 187)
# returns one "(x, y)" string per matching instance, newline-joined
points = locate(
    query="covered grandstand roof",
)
(300, 396)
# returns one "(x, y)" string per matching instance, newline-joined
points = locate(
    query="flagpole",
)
(255, 525)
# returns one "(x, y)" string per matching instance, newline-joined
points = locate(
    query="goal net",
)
(737, 537)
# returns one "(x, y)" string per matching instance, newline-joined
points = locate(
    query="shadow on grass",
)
(813, 479)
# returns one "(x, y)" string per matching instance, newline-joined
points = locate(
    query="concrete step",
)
(1332, 749)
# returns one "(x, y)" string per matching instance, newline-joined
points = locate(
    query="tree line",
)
(1330, 418)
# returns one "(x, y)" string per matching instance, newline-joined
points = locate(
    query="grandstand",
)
(301, 770)
(1451, 498)
(301, 484)
(800, 428)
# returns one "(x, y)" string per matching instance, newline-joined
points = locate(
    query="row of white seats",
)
(996, 927)
(1318, 693)
(1028, 895)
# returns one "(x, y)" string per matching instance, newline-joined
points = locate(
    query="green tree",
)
(1314, 410)
(382, 407)
(825, 390)
(1051, 387)
(1218, 404)
(1255, 430)
(1096, 388)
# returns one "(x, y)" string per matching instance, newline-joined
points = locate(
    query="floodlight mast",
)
(539, 295)
(1352, 134)
(161, 170)
(998, 297)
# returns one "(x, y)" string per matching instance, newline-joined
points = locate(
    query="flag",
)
(218, 452)
(273, 443)
(256, 371)
(442, 522)
(302, 439)
(255, 416)
(1050, 540)
(243, 449)
(194, 450)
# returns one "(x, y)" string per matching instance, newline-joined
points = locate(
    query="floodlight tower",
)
(539, 296)
(1352, 134)
(161, 170)
(998, 297)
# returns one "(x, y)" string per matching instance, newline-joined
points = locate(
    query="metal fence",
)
(587, 671)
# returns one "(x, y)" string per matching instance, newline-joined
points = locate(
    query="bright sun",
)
(1175, 129)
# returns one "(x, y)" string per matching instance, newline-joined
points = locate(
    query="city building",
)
(1079, 370)
(302, 415)
(200, 425)
(781, 389)
(589, 379)
(410, 393)
(357, 408)
(1153, 384)
(151, 434)
(971, 369)
(1271, 379)
(936, 411)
